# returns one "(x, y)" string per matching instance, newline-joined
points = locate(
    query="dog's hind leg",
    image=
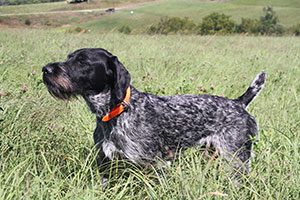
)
(237, 152)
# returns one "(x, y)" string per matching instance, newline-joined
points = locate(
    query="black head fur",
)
(87, 71)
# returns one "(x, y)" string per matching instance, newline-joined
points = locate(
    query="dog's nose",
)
(48, 69)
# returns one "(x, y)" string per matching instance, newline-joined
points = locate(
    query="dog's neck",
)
(100, 103)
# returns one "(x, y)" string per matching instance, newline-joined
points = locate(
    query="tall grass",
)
(46, 147)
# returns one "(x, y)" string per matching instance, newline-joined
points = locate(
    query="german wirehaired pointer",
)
(141, 127)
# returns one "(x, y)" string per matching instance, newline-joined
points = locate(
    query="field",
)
(149, 14)
(63, 6)
(46, 147)
(140, 16)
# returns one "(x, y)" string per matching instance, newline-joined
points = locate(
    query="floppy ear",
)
(121, 80)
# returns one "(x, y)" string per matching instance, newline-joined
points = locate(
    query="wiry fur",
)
(155, 126)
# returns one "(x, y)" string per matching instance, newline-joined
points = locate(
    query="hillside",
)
(288, 13)
(139, 15)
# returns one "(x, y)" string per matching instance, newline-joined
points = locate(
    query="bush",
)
(169, 25)
(125, 30)
(248, 26)
(27, 22)
(295, 29)
(76, 30)
(269, 23)
(216, 23)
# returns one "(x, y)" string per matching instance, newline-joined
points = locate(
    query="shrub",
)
(269, 23)
(169, 25)
(219, 23)
(248, 26)
(216, 23)
(27, 22)
(76, 30)
(296, 29)
(47, 22)
(125, 29)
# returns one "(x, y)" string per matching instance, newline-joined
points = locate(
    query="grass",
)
(144, 16)
(149, 14)
(63, 6)
(46, 147)
(280, 3)
(59, 14)
(29, 8)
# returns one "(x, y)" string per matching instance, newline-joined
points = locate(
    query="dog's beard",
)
(59, 86)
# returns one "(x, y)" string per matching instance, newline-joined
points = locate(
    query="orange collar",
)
(118, 109)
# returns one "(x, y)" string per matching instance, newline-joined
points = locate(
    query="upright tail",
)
(253, 90)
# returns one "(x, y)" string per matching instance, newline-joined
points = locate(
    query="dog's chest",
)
(126, 141)
(129, 150)
(109, 149)
(120, 144)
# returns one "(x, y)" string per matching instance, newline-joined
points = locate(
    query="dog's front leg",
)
(103, 163)
(102, 160)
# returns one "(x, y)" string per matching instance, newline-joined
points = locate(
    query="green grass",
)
(46, 147)
(29, 8)
(144, 16)
(279, 3)
(149, 14)
(61, 6)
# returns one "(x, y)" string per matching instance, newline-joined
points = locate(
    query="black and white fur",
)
(153, 126)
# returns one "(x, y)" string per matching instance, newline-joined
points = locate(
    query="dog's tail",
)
(253, 90)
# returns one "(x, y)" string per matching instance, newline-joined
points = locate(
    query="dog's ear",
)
(121, 79)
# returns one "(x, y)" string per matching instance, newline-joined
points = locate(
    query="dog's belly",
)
(141, 148)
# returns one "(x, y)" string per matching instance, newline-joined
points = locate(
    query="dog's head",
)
(87, 72)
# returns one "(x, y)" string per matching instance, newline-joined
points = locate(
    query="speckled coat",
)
(153, 126)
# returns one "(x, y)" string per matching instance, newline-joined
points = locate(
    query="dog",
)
(141, 127)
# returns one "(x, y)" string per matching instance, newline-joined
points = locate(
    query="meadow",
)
(151, 13)
(139, 15)
(46, 146)
(63, 6)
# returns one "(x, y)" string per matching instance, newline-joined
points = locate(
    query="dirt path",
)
(130, 6)
(55, 12)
